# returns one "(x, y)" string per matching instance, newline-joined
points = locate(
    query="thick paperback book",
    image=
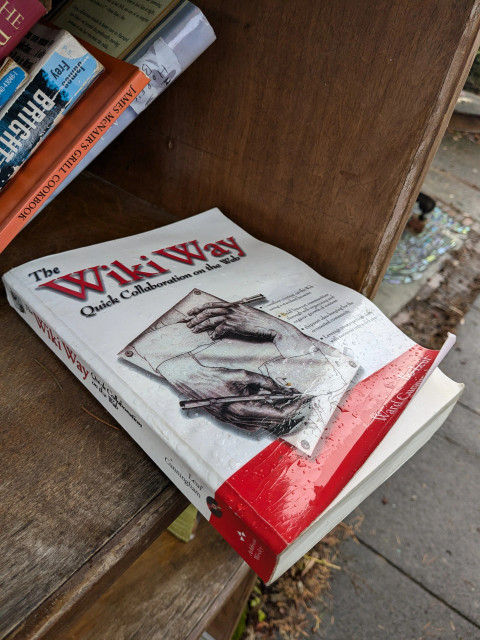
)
(60, 70)
(269, 395)
(70, 141)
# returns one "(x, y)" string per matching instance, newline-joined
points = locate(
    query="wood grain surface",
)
(79, 500)
(309, 123)
(172, 592)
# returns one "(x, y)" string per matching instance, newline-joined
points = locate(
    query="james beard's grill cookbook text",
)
(273, 398)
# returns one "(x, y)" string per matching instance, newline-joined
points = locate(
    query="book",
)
(16, 18)
(60, 70)
(184, 29)
(168, 50)
(259, 388)
(12, 77)
(113, 27)
(79, 131)
(185, 526)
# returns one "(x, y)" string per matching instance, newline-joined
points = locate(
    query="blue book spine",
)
(12, 76)
(60, 70)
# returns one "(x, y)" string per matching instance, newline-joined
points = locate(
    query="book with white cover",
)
(273, 398)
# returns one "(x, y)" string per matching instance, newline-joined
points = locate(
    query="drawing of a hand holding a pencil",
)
(242, 365)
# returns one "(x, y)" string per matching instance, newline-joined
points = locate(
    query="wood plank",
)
(90, 581)
(172, 592)
(225, 622)
(75, 492)
(309, 123)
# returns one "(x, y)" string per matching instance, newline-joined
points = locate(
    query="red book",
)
(69, 142)
(16, 18)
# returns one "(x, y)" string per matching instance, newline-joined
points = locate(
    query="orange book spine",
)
(80, 146)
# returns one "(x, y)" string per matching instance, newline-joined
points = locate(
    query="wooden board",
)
(227, 619)
(309, 123)
(172, 592)
(79, 500)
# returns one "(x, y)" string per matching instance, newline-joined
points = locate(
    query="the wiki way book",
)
(273, 398)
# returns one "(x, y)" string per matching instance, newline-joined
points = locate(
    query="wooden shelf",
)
(174, 591)
(311, 125)
(80, 500)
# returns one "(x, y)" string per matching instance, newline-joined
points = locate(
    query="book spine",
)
(195, 36)
(228, 522)
(12, 77)
(65, 72)
(253, 539)
(16, 18)
(34, 200)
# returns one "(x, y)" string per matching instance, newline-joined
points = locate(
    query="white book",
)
(275, 399)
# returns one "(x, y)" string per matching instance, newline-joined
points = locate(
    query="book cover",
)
(169, 49)
(78, 131)
(257, 386)
(114, 27)
(60, 70)
(16, 18)
(12, 77)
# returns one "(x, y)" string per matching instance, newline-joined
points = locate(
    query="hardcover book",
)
(60, 70)
(77, 133)
(269, 395)
(16, 18)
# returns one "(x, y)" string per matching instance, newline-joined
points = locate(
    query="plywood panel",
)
(309, 123)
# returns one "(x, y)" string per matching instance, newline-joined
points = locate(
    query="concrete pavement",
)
(415, 572)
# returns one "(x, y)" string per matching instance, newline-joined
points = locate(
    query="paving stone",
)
(448, 189)
(463, 429)
(426, 520)
(463, 362)
(457, 155)
(371, 600)
(391, 298)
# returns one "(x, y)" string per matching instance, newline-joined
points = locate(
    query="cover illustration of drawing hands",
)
(245, 367)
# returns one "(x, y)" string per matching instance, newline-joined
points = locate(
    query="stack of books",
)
(72, 84)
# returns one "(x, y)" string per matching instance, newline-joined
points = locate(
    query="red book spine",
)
(16, 18)
(279, 493)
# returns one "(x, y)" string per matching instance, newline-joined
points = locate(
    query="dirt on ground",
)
(284, 609)
(441, 304)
